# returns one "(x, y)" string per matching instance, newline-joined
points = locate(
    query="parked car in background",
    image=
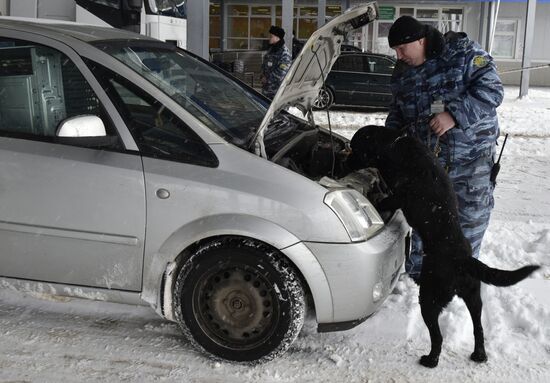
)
(358, 79)
(133, 171)
(349, 48)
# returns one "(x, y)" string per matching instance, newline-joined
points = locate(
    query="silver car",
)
(132, 171)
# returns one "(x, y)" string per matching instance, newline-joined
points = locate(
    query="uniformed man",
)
(445, 91)
(276, 62)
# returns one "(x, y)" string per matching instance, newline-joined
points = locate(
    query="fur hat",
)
(406, 29)
(277, 31)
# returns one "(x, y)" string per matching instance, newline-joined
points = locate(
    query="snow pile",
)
(529, 116)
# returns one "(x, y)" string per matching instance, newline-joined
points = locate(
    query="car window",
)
(41, 87)
(157, 131)
(223, 105)
(350, 63)
(380, 65)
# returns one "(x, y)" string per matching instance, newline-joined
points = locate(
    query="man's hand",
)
(442, 122)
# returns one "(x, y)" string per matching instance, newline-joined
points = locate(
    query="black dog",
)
(422, 189)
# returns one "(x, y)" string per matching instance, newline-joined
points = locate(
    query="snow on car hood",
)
(303, 81)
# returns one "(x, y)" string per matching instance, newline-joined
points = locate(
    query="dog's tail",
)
(497, 277)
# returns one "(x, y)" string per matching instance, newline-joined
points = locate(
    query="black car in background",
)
(349, 48)
(358, 79)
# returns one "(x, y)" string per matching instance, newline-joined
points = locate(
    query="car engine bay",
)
(320, 156)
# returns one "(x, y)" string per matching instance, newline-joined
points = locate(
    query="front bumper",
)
(360, 276)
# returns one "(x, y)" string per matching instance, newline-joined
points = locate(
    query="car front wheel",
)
(239, 300)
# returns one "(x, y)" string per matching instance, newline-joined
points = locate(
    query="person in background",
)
(276, 62)
(445, 92)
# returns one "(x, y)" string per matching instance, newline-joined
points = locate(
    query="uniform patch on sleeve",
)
(480, 61)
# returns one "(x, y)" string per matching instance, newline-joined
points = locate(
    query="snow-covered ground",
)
(53, 339)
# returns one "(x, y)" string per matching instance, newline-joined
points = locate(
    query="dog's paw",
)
(479, 356)
(429, 361)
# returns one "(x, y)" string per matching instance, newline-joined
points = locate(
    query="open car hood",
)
(305, 78)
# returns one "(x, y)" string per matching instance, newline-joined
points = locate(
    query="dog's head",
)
(369, 144)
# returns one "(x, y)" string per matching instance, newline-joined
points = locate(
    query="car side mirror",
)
(86, 131)
(82, 126)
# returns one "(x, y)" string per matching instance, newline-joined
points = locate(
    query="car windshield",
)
(173, 8)
(221, 103)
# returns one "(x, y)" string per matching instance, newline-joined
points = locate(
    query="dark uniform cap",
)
(277, 31)
(406, 29)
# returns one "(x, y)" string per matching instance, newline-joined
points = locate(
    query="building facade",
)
(241, 25)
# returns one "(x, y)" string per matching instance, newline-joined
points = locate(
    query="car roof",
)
(61, 29)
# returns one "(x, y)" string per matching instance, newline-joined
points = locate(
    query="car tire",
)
(240, 300)
(324, 100)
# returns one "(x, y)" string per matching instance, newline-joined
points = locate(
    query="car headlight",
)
(357, 214)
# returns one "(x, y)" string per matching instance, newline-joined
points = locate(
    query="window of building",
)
(237, 26)
(504, 43)
(248, 25)
(355, 38)
(307, 22)
(451, 20)
(444, 19)
(333, 11)
(215, 27)
(406, 11)
(381, 44)
(304, 21)
(428, 16)
(368, 37)
(260, 22)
